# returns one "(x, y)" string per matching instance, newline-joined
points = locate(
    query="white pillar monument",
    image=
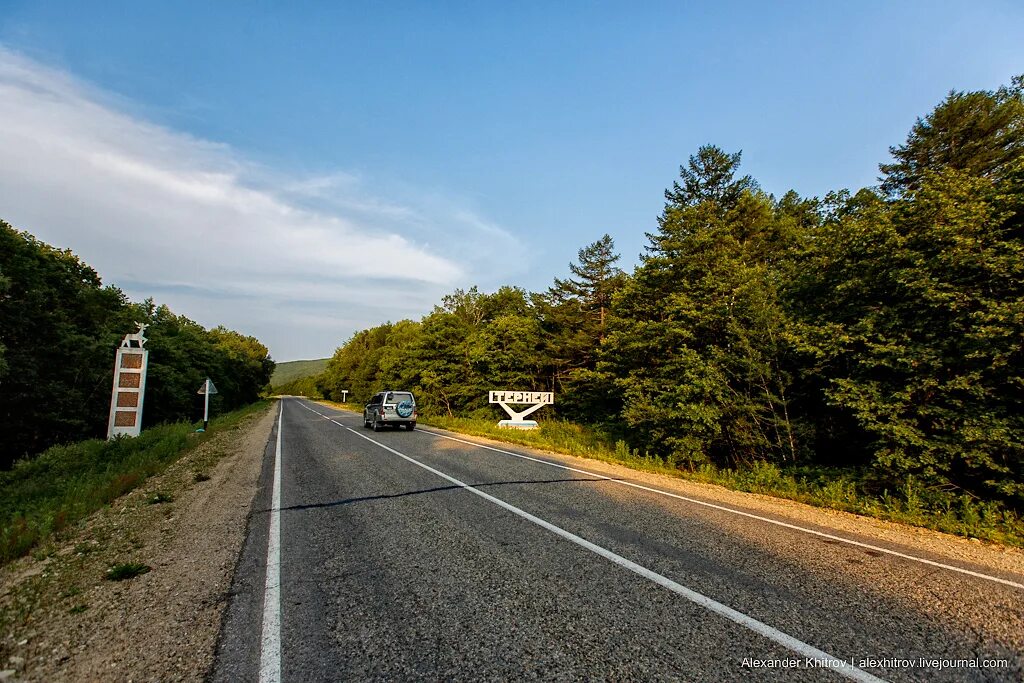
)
(129, 385)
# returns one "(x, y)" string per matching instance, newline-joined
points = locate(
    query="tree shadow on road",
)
(438, 489)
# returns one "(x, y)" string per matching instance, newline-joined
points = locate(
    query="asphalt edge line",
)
(270, 641)
(751, 515)
(826, 660)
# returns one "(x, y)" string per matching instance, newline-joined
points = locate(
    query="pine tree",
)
(597, 277)
(698, 336)
(918, 326)
(980, 133)
(709, 176)
(573, 315)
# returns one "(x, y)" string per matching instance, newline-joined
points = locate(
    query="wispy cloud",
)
(223, 240)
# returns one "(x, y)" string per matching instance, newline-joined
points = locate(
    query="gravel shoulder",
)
(61, 619)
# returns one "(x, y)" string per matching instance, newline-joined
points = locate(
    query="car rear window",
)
(399, 396)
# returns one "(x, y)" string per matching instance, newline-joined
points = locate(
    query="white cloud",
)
(165, 214)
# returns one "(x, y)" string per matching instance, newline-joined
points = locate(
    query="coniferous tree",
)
(919, 325)
(573, 314)
(596, 279)
(710, 175)
(699, 334)
(868, 328)
(980, 133)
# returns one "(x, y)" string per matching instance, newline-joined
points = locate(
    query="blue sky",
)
(410, 149)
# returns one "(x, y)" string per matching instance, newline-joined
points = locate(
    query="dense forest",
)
(59, 328)
(879, 330)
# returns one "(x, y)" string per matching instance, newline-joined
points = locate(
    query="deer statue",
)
(135, 339)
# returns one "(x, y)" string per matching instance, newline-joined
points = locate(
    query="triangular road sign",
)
(208, 382)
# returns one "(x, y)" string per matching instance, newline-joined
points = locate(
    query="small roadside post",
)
(344, 395)
(206, 389)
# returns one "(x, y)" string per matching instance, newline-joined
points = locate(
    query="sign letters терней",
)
(535, 399)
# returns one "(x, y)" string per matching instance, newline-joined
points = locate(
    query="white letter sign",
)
(535, 399)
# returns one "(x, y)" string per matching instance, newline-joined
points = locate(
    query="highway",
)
(424, 556)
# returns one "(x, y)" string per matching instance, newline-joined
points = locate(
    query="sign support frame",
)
(206, 389)
(517, 419)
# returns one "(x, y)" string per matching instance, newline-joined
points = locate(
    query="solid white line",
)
(270, 643)
(794, 527)
(828, 661)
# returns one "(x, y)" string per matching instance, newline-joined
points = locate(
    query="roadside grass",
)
(46, 494)
(849, 490)
(126, 570)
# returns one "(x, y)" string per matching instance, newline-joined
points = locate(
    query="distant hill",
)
(296, 369)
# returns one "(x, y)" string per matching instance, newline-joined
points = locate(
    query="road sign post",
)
(206, 390)
(535, 399)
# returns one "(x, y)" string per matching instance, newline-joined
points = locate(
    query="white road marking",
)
(794, 527)
(787, 525)
(826, 660)
(270, 642)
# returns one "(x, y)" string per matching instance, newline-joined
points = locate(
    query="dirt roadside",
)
(62, 620)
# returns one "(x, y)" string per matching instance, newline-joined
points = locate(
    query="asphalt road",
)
(412, 556)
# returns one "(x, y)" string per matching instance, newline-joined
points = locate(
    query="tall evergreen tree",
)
(698, 335)
(980, 133)
(573, 314)
(710, 175)
(596, 279)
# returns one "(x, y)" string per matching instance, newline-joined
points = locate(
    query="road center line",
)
(827, 661)
(270, 642)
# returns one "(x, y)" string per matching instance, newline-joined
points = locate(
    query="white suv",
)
(396, 408)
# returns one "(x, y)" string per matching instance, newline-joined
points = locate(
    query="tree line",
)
(59, 328)
(880, 330)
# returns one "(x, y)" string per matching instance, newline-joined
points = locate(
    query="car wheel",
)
(377, 426)
(410, 426)
(366, 423)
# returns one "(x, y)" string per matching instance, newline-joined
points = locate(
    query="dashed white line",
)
(270, 641)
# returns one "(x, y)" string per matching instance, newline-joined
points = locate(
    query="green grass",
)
(840, 489)
(290, 371)
(126, 570)
(59, 487)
